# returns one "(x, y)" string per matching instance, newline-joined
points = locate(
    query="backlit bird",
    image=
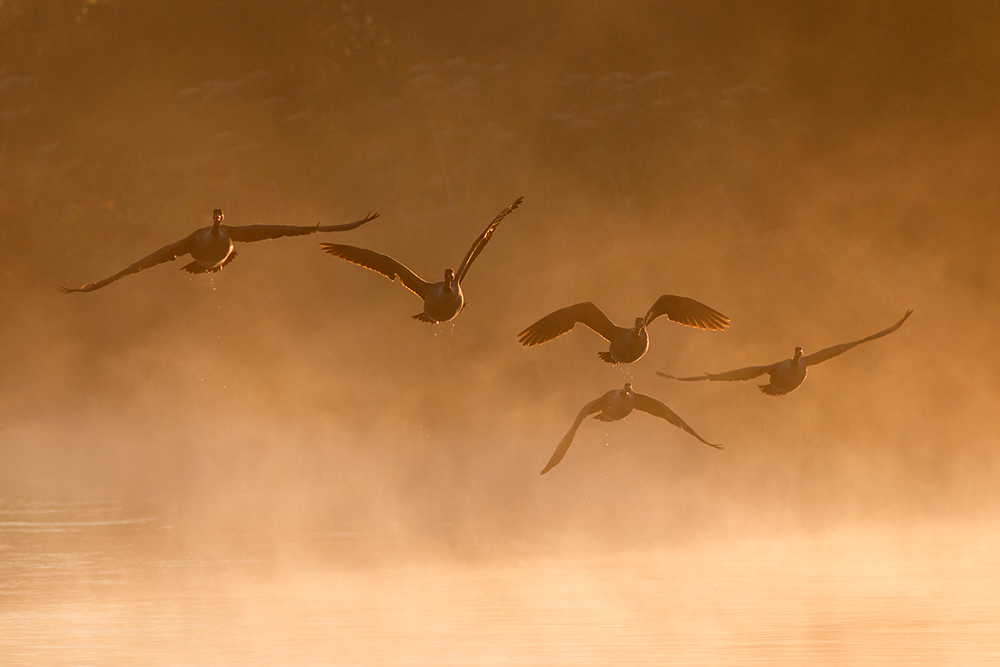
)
(614, 405)
(443, 300)
(212, 247)
(627, 343)
(788, 374)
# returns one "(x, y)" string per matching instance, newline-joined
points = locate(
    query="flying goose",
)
(627, 344)
(212, 247)
(788, 374)
(443, 300)
(614, 405)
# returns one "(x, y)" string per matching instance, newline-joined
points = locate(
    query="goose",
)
(212, 247)
(442, 301)
(627, 344)
(788, 374)
(612, 406)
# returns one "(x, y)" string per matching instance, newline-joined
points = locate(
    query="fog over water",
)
(811, 171)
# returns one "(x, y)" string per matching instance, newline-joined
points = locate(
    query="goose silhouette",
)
(788, 374)
(612, 406)
(628, 344)
(212, 247)
(444, 300)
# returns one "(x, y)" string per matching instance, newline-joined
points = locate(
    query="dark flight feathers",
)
(167, 253)
(688, 312)
(834, 350)
(375, 261)
(480, 242)
(563, 320)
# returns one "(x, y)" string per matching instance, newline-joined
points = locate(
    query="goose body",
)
(211, 248)
(444, 300)
(614, 405)
(785, 376)
(627, 344)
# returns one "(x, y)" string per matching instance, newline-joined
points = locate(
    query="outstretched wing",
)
(379, 263)
(251, 233)
(563, 320)
(693, 378)
(563, 446)
(480, 243)
(688, 312)
(165, 254)
(349, 225)
(657, 409)
(740, 374)
(830, 352)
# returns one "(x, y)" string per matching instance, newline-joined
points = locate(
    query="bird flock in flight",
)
(211, 248)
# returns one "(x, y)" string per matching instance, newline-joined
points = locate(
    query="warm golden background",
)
(810, 169)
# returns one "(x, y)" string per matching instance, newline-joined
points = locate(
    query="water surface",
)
(96, 583)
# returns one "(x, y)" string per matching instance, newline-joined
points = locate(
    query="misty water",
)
(95, 583)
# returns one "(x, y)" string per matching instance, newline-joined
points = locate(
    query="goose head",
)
(798, 354)
(217, 218)
(628, 389)
(449, 279)
(640, 326)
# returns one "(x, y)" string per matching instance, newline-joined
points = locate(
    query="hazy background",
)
(811, 170)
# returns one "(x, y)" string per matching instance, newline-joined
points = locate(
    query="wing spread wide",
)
(658, 409)
(480, 242)
(563, 320)
(167, 253)
(379, 263)
(251, 233)
(688, 312)
(738, 375)
(349, 225)
(563, 446)
(693, 378)
(833, 351)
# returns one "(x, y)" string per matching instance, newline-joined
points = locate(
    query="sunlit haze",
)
(812, 171)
